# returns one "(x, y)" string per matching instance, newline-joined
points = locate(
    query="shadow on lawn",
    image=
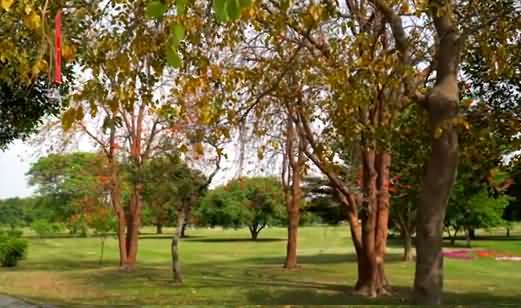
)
(400, 296)
(233, 240)
(323, 258)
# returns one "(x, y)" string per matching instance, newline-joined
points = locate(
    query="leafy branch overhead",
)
(225, 10)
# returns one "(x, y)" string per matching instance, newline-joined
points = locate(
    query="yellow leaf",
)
(39, 66)
(67, 52)
(6, 4)
(33, 21)
(199, 148)
(28, 9)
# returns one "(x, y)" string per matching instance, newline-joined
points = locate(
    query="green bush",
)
(12, 249)
(43, 227)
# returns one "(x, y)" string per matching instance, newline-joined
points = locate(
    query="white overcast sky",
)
(14, 163)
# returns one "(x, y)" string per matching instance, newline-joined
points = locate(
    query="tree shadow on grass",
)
(233, 240)
(400, 297)
(322, 258)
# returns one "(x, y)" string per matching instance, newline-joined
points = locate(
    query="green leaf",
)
(180, 7)
(178, 31)
(155, 9)
(219, 7)
(234, 10)
(244, 3)
(172, 57)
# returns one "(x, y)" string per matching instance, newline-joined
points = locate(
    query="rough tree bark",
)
(442, 107)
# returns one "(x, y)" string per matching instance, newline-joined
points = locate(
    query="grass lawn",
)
(224, 267)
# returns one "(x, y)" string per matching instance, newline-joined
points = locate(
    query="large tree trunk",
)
(159, 228)
(442, 107)
(371, 276)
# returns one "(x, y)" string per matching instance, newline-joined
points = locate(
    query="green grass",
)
(224, 267)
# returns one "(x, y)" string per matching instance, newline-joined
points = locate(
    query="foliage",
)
(476, 210)
(12, 249)
(12, 213)
(26, 93)
(65, 182)
(171, 186)
(45, 228)
(253, 202)
(513, 210)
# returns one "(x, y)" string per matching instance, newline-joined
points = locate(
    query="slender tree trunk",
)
(159, 228)
(407, 246)
(293, 204)
(293, 223)
(176, 262)
(102, 249)
(254, 232)
(508, 231)
(187, 217)
(383, 164)
(468, 237)
(472, 233)
(183, 230)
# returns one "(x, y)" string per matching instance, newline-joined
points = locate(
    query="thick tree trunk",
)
(439, 178)
(442, 107)
(177, 274)
(370, 281)
(159, 228)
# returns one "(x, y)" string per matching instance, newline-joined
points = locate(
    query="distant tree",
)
(12, 213)
(171, 187)
(513, 210)
(251, 202)
(64, 181)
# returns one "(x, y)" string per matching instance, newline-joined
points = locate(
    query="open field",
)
(224, 266)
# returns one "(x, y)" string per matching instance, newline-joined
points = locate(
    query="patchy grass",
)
(225, 267)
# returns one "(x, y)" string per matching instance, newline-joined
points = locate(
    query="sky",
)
(14, 163)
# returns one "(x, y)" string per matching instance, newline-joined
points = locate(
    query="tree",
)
(479, 210)
(13, 213)
(513, 210)
(27, 94)
(251, 202)
(64, 181)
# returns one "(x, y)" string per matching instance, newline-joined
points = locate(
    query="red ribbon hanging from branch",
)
(58, 47)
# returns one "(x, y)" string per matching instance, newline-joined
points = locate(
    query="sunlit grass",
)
(224, 266)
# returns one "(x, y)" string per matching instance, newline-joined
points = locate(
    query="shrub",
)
(12, 249)
(45, 228)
